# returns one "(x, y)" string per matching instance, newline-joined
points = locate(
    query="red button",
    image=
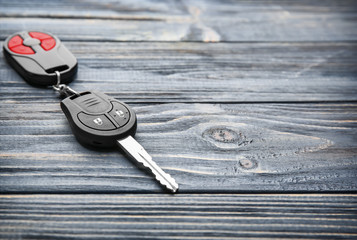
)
(21, 49)
(15, 41)
(48, 44)
(39, 35)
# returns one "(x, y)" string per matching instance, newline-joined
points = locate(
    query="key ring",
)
(58, 78)
(63, 89)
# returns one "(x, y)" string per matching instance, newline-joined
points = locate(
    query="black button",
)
(98, 122)
(119, 113)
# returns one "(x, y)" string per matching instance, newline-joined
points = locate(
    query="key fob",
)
(37, 55)
(97, 119)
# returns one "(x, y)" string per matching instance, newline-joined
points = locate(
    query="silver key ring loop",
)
(63, 89)
(58, 78)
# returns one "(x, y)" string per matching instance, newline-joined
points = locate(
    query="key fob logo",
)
(98, 121)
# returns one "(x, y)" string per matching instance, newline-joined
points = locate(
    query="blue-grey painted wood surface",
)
(205, 147)
(194, 216)
(235, 99)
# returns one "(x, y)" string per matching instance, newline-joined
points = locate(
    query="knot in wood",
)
(247, 164)
(224, 135)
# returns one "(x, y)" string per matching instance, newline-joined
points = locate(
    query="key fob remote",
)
(37, 55)
(99, 120)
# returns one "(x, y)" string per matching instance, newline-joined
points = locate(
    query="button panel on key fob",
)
(99, 120)
(37, 55)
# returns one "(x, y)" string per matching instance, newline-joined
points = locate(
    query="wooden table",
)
(250, 106)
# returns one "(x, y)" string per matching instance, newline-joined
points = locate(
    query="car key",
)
(95, 118)
(36, 56)
(101, 121)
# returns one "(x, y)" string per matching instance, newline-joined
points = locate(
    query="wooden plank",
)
(205, 147)
(149, 10)
(178, 217)
(195, 72)
(208, 21)
(275, 20)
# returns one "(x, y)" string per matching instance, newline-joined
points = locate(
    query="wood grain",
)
(250, 97)
(204, 21)
(195, 72)
(205, 147)
(181, 216)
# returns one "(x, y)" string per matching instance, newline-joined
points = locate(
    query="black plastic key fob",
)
(99, 120)
(37, 55)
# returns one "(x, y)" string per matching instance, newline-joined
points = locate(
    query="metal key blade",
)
(136, 151)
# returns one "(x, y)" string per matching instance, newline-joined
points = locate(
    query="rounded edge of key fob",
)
(92, 108)
(36, 55)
